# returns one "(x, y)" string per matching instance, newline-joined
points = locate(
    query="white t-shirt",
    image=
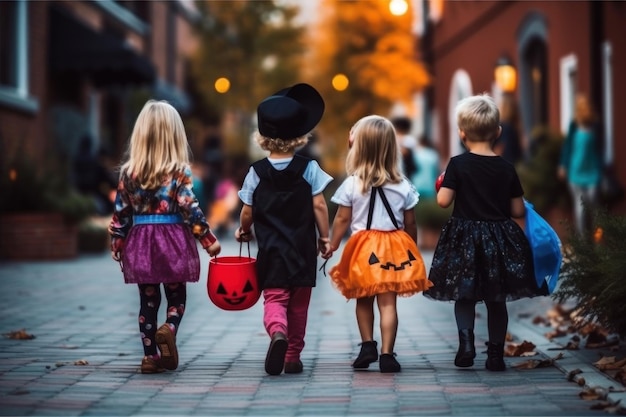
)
(401, 197)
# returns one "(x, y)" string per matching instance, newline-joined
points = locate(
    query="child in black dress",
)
(482, 253)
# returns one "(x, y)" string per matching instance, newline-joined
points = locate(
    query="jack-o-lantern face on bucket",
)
(235, 298)
(373, 260)
(232, 283)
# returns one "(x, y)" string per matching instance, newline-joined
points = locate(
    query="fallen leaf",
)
(19, 335)
(593, 393)
(514, 349)
(534, 363)
(571, 374)
(602, 344)
(620, 376)
(81, 362)
(602, 405)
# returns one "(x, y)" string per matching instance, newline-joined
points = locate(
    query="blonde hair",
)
(158, 145)
(478, 116)
(280, 145)
(374, 155)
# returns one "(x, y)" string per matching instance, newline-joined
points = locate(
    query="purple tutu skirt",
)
(160, 253)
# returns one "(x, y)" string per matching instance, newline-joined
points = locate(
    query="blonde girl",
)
(155, 223)
(380, 260)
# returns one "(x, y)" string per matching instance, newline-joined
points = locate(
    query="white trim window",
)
(460, 87)
(568, 82)
(14, 71)
(607, 95)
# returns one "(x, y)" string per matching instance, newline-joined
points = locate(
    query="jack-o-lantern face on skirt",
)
(373, 260)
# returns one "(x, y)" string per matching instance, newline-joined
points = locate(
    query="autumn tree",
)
(375, 50)
(255, 45)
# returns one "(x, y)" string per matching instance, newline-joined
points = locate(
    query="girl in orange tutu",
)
(381, 259)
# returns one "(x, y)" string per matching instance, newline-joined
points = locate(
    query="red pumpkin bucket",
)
(232, 282)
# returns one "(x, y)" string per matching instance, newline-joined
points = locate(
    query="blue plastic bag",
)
(546, 248)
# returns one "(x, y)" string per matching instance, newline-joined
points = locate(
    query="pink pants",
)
(286, 311)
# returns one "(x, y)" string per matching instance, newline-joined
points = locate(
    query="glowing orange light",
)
(222, 85)
(340, 82)
(597, 236)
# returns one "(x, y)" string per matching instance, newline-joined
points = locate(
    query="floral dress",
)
(156, 230)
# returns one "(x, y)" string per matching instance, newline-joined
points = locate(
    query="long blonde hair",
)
(158, 145)
(374, 155)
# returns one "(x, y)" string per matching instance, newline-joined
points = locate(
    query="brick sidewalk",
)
(80, 310)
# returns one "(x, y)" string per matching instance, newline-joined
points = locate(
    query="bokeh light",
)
(222, 85)
(398, 7)
(340, 82)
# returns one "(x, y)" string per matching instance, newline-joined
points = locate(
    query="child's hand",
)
(242, 236)
(323, 247)
(214, 249)
(116, 255)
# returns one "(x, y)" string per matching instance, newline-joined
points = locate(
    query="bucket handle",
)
(240, 246)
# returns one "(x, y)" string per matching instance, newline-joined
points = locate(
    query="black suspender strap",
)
(383, 197)
(387, 206)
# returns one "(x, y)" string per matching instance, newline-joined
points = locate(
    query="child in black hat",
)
(282, 197)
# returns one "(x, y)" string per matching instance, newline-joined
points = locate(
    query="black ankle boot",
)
(367, 355)
(467, 352)
(495, 357)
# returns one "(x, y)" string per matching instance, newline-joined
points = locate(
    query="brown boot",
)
(166, 342)
(150, 366)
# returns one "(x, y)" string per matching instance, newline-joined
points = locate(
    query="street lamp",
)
(505, 74)
(398, 7)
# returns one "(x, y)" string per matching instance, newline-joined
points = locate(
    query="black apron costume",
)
(287, 254)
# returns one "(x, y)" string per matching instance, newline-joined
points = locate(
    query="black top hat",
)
(290, 113)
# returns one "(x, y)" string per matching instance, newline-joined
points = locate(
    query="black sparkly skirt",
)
(482, 261)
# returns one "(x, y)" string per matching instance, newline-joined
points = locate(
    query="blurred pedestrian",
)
(407, 143)
(427, 162)
(282, 197)
(92, 178)
(154, 223)
(380, 260)
(482, 254)
(508, 145)
(581, 161)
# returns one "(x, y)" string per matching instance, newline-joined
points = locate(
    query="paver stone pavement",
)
(85, 356)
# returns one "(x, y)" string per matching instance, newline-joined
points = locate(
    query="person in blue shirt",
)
(581, 161)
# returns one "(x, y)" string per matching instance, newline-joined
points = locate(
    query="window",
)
(568, 82)
(460, 88)
(14, 56)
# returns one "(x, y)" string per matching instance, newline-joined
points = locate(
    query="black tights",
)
(150, 299)
(497, 318)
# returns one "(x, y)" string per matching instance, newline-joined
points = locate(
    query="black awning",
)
(76, 48)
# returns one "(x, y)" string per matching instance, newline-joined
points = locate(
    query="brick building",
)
(70, 69)
(556, 48)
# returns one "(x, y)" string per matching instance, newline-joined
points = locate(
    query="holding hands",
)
(323, 247)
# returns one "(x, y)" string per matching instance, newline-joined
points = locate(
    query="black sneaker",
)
(388, 363)
(275, 359)
(367, 355)
(293, 367)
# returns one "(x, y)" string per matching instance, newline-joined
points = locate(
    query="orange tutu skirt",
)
(375, 262)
